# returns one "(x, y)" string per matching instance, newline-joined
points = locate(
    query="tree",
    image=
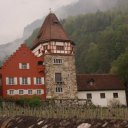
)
(120, 66)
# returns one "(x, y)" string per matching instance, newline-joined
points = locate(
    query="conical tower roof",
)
(51, 30)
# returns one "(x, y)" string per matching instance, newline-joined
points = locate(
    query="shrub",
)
(34, 102)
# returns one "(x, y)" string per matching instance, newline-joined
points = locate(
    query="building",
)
(101, 89)
(57, 50)
(23, 75)
(48, 71)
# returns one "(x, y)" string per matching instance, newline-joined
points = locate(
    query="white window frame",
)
(39, 90)
(21, 93)
(36, 81)
(9, 92)
(25, 82)
(12, 79)
(24, 66)
(31, 92)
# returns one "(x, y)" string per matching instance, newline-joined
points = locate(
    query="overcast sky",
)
(16, 14)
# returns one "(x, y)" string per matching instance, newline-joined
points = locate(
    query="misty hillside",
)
(80, 7)
(100, 38)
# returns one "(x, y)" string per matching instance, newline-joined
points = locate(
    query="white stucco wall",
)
(97, 100)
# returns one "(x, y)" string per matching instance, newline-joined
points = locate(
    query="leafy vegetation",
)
(100, 38)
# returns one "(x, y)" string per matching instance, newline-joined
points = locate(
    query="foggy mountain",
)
(80, 7)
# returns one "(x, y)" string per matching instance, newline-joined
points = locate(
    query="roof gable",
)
(23, 53)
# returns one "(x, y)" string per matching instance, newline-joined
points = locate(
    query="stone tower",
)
(58, 51)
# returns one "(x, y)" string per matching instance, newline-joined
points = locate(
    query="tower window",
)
(58, 78)
(59, 47)
(40, 62)
(59, 89)
(45, 47)
(57, 61)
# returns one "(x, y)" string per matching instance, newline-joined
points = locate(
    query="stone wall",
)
(68, 71)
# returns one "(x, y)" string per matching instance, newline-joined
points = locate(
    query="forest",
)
(101, 39)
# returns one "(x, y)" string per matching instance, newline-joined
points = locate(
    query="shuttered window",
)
(38, 80)
(25, 80)
(11, 80)
(24, 66)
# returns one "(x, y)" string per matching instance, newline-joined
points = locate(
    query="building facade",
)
(58, 51)
(102, 89)
(22, 75)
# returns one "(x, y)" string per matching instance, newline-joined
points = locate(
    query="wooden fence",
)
(60, 111)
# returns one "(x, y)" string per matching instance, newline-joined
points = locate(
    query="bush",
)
(22, 102)
(34, 102)
(31, 102)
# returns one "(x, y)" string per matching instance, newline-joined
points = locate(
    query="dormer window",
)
(91, 82)
(59, 47)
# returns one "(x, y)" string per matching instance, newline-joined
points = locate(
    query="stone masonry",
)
(67, 68)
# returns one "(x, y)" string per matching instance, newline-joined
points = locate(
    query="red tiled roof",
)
(96, 82)
(51, 30)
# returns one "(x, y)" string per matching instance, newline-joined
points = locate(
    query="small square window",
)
(21, 92)
(29, 92)
(24, 65)
(11, 92)
(115, 95)
(38, 92)
(89, 96)
(102, 95)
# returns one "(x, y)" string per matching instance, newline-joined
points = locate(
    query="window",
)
(115, 95)
(59, 89)
(25, 80)
(38, 92)
(40, 63)
(57, 61)
(11, 80)
(38, 80)
(59, 47)
(45, 47)
(21, 92)
(23, 65)
(11, 92)
(89, 96)
(58, 78)
(29, 92)
(102, 95)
